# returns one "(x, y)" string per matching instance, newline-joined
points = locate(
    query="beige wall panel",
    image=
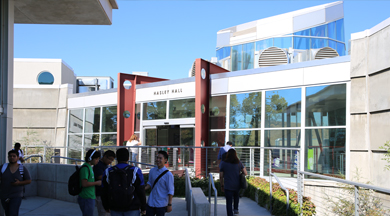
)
(378, 53)
(60, 138)
(34, 118)
(379, 91)
(61, 118)
(379, 177)
(359, 160)
(26, 72)
(63, 98)
(34, 136)
(358, 95)
(379, 129)
(68, 75)
(359, 57)
(35, 98)
(358, 132)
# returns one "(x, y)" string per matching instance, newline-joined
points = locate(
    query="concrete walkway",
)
(33, 206)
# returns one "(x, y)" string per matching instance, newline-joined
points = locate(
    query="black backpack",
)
(121, 187)
(74, 187)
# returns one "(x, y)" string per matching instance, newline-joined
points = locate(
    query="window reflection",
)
(247, 138)
(74, 147)
(303, 32)
(301, 43)
(340, 30)
(92, 120)
(217, 138)
(341, 49)
(325, 151)
(245, 110)
(326, 105)
(332, 30)
(318, 43)
(109, 139)
(76, 121)
(109, 121)
(248, 56)
(217, 108)
(137, 117)
(283, 42)
(236, 58)
(283, 108)
(155, 110)
(332, 44)
(319, 31)
(182, 108)
(91, 140)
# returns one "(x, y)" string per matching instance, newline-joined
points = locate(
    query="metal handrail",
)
(51, 159)
(211, 182)
(142, 163)
(31, 156)
(283, 188)
(188, 190)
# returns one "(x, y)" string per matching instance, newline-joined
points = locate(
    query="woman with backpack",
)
(229, 176)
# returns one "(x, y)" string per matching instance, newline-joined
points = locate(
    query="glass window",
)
(182, 108)
(283, 42)
(332, 44)
(237, 58)
(74, 146)
(301, 43)
(155, 110)
(45, 78)
(137, 117)
(219, 54)
(226, 52)
(109, 119)
(217, 108)
(283, 108)
(92, 120)
(109, 139)
(247, 138)
(245, 110)
(217, 138)
(326, 105)
(76, 121)
(317, 43)
(264, 44)
(91, 140)
(151, 137)
(340, 30)
(332, 30)
(303, 32)
(319, 31)
(341, 49)
(248, 55)
(325, 151)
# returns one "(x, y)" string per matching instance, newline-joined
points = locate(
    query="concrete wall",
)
(200, 204)
(370, 102)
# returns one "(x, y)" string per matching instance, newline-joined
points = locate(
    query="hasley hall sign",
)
(173, 91)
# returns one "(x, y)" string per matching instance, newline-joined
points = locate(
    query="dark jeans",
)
(87, 206)
(151, 211)
(11, 207)
(230, 194)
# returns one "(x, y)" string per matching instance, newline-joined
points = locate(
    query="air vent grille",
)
(326, 52)
(272, 56)
(193, 70)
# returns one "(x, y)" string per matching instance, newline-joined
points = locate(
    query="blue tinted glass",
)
(236, 58)
(332, 30)
(226, 51)
(304, 32)
(219, 54)
(45, 78)
(264, 44)
(341, 49)
(283, 42)
(332, 44)
(319, 31)
(318, 43)
(340, 30)
(245, 110)
(301, 43)
(248, 55)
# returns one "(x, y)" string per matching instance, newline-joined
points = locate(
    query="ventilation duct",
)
(191, 73)
(326, 52)
(273, 56)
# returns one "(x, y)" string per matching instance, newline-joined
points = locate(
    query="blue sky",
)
(164, 37)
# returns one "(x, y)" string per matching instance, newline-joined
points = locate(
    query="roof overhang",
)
(84, 12)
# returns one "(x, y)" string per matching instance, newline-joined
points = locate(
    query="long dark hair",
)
(231, 157)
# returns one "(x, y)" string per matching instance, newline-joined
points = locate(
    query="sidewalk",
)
(246, 207)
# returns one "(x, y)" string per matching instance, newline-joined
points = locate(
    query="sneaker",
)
(236, 212)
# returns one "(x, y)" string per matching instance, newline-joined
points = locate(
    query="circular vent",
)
(272, 56)
(326, 52)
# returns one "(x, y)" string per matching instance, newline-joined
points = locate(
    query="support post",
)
(270, 178)
(207, 164)
(356, 201)
(300, 183)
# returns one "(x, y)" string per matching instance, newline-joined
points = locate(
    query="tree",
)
(387, 154)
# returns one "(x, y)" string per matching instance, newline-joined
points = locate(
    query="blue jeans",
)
(230, 194)
(87, 206)
(151, 211)
(127, 213)
(11, 207)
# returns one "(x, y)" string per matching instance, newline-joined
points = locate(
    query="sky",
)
(164, 37)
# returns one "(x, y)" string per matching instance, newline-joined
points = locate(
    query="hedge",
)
(258, 184)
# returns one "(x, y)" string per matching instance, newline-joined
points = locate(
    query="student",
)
(222, 152)
(116, 196)
(13, 177)
(133, 141)
(229, 177)
(87, 196)
(99, 169)
(21, 155)
(161, 183)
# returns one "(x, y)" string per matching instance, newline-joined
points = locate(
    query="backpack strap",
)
(158, 178)
(21, 170)
(4, 167)
(134, 175)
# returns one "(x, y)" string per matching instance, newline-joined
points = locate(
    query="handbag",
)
(243, 182)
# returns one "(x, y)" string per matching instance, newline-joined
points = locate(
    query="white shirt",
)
(133, 143)
(20, 155)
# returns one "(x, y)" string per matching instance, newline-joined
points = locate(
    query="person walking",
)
(133, 141)
(13, 177)
(98, 170)
(229, 176)
(162, 188)
(20, 151)
(222, 152)
(86, 198)
(123, 192)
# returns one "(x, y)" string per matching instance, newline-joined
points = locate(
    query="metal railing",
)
(283, 188)
(211, 183)
(68, 158)
(188, 189)
(32, 156)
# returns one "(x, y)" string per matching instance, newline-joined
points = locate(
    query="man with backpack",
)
(223, 151)
(13, 177)
(161, 183)
(123, 192)
(98, 170)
